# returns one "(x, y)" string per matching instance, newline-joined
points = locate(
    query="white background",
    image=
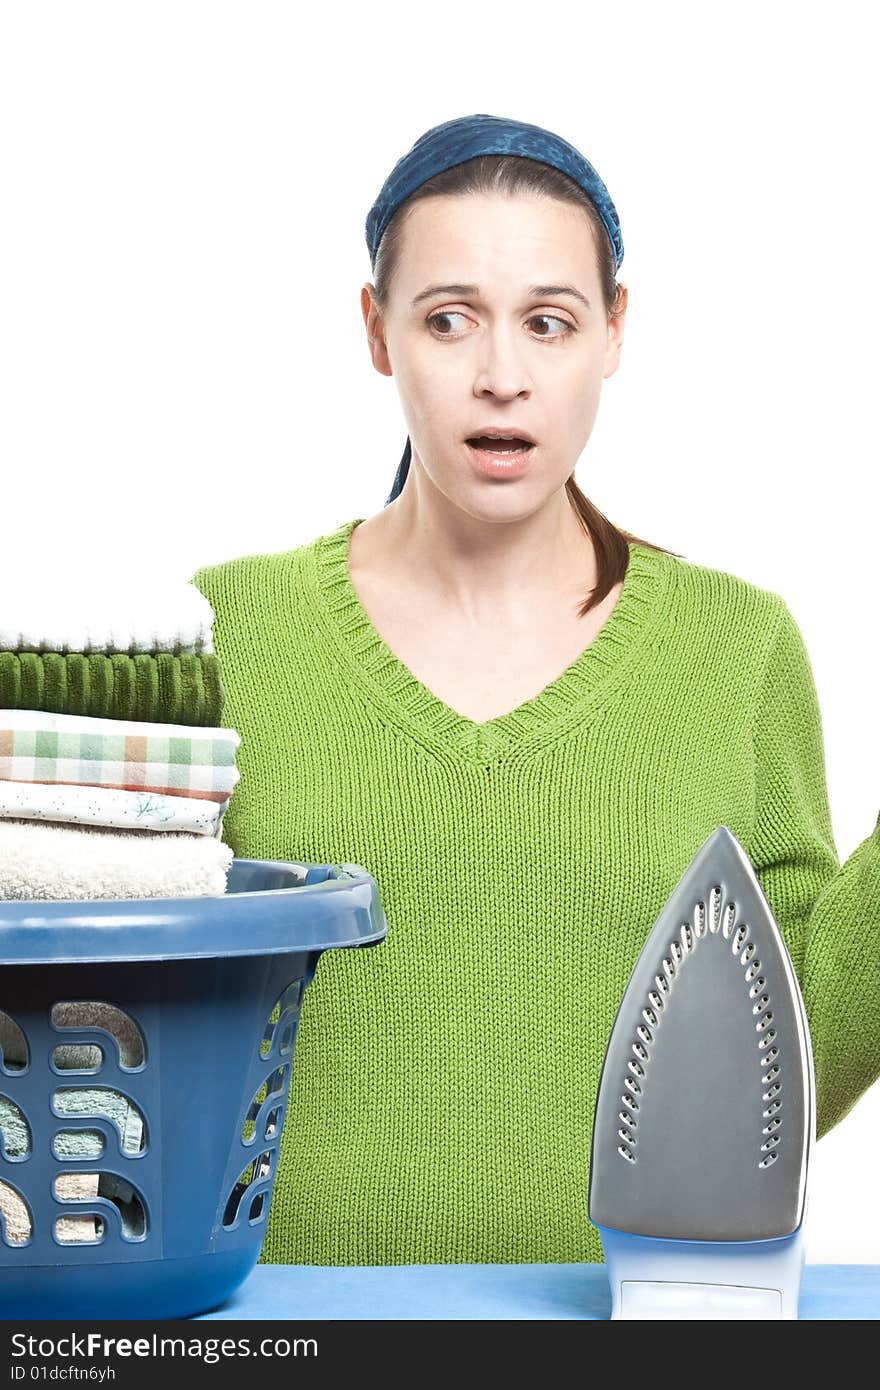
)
(184, 373)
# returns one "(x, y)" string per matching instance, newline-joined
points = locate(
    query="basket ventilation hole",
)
(90, 1057)
(85, 1187)
(78, 1230)
(78, 1143)
(96, 1013)
(129, 1203)
(272, 1123)
(273, 1085)
(13, 1044)
(256, 1210)
(17, 1224)
(259, 1167)
(14, 1129)
(111, 1105)
(288, 1004)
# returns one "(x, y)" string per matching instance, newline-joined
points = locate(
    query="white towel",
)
(102, 614)
(75, 804)
(80, 862)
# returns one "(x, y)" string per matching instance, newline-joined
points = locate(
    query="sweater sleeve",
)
(829, 915)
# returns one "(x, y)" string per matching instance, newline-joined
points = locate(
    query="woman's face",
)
(502, 346)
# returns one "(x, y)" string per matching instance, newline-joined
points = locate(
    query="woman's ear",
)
(616, 322)
(375, 331)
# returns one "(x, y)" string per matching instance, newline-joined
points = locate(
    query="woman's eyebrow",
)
(536, 291)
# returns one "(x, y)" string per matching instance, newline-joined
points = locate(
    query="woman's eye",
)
(551, 318)
(436, 319)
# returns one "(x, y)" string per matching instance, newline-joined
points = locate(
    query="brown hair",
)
(514, 174)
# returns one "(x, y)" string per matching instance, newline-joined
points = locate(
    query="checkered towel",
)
(168, 759)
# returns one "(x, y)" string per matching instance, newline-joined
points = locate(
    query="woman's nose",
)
(501, 364)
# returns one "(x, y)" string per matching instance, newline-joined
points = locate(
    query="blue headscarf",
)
(464, 138)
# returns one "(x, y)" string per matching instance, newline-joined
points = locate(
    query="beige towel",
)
(70, 1187)
(89, 1013)
(40, 860)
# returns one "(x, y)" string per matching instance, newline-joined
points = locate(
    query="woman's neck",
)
(481, 570)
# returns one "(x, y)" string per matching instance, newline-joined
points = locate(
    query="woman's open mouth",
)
(500, 458)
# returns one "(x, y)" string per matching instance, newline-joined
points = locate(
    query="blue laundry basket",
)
(171, 1110)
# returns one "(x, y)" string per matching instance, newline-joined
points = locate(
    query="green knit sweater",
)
(443, 1082)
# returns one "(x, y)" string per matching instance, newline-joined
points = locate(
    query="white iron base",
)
(696, 1279)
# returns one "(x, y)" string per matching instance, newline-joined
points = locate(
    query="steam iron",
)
(705, 1112)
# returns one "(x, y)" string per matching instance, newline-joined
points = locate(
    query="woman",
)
(523, 722)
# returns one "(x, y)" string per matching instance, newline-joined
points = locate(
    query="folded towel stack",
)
(61, 767)
(110, 710)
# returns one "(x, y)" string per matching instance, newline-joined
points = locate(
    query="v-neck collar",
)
(569, 701)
